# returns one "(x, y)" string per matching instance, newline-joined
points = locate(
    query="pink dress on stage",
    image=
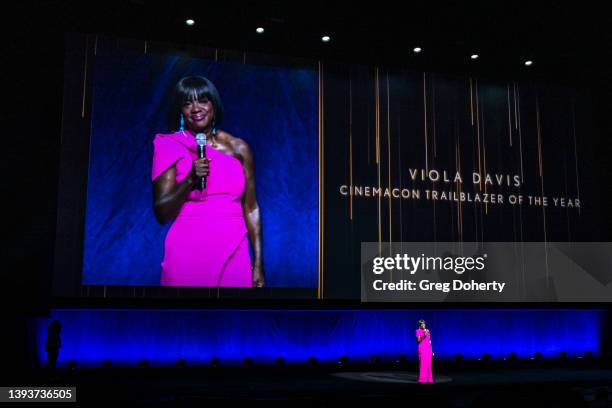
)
(207, 243)
(425, 355)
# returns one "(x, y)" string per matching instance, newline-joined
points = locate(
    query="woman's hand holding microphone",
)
(199, 169)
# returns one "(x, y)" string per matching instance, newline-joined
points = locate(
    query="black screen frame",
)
(67, 290)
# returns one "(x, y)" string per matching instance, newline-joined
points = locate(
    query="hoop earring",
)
(182, 123)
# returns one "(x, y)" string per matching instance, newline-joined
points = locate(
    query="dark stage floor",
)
(457, 386)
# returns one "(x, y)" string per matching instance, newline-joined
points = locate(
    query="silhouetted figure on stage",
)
(53, 344)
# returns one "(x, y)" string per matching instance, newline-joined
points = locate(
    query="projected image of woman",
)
(208, 241)
(423, 337)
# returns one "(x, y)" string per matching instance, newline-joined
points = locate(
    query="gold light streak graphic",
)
(478, 137)
(482, 165)
(515, 88)
(377, 124)
(433, 114)
(457, 189)
(566, 192)
(350, 147)
(475, 148)
(377, 113)
(575, 150)
(518, 115)
(351, 176)
(509, 117)
(425, 118)
(471, 103)
(484, 157)
(321, 111)
(425, 127)
(539, 140)
(433, 121)
(369, 144)
(399, 173)
(518, 125)
(389, 158)
(541, 167)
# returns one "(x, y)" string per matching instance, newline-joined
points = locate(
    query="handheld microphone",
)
(201, 141)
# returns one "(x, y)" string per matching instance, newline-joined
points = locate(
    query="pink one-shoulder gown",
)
(207, 243)
(425, 355)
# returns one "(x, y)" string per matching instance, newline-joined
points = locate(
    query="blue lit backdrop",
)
(163, 336)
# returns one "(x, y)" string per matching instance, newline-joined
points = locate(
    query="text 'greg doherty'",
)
(425, 285)
(411, 264)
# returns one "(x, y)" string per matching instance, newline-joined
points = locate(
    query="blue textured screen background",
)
(273, 109)
(162, 336)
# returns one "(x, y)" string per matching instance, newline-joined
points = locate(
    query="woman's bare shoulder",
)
(237, 145)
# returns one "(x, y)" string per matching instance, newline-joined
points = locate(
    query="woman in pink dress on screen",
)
(208, 241)
(423, 337)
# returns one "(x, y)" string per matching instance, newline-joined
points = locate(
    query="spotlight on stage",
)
(458, 357)
(563, 356)
(312, 361)
(72, 365)
(248, 362)
(511, 357)
(181, 363)
(215, 362)
(143, 364)
(107, 364)
(343, 361)
(537, 356)
(279, 362)
(417, 50)
(375, 360)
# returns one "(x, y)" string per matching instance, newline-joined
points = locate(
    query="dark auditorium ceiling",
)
(560, 38)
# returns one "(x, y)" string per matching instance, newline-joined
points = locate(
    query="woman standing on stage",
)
(212, 223)
(423, 337)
